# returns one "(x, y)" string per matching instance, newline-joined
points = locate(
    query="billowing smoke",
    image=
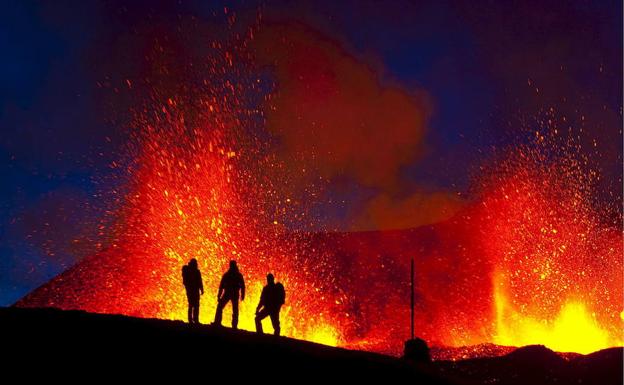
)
(385, 211)
(332, 115)
(334, 119)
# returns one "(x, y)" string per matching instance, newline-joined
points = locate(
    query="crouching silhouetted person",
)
(271, 300)
(231, 283)
(192, 280)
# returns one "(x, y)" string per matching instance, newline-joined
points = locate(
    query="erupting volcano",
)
(529, 263)
(533, 256)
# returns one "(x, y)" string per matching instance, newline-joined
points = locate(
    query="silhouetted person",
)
(231, 283)
(192, 280)
(271, 300)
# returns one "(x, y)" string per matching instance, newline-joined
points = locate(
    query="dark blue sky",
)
(474, 60)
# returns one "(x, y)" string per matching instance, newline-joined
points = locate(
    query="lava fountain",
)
(556, 274)
(194, 186)
(189, 198)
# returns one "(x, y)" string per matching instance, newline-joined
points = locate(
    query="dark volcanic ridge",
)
(70, 342)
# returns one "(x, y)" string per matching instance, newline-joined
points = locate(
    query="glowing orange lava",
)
(572, 329)
(557, 277)
(191, 199)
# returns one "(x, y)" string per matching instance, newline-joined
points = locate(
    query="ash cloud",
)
(335, 119)
(330, 112)
(385, 211)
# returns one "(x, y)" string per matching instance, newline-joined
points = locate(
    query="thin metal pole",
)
(412, 301)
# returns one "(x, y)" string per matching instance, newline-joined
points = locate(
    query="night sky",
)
(485, 73)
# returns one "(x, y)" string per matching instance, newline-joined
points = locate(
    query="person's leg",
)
(234, 312)
(193, 300)
(196, 313)
(275, 321)
(262, 314)
(190, 306)
(219, 314)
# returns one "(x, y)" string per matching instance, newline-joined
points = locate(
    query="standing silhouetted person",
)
(192, 280)
(231, 283)
(271, 300)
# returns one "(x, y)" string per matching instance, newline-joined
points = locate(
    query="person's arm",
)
(242, 288)
(261, 302)
(220, 293)
(201, 283)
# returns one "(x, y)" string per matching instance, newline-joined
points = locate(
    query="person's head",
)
(193, 263)
(233, 265)
(270, 279)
